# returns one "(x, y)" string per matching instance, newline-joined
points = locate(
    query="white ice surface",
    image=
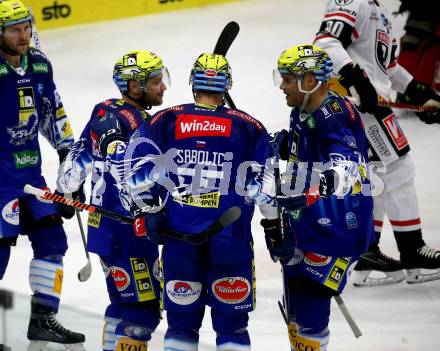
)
(395, 318)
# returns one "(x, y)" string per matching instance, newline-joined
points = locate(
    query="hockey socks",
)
(46, 281)
(305, 339)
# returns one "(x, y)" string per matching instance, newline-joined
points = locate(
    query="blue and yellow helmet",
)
(13, 12)
(211, 73)
(300, 59)
(137, 65)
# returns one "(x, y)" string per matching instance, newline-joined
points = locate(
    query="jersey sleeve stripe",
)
(405, 223)
(343, 15)
(322, 36)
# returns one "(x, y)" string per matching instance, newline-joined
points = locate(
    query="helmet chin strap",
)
(307, 93)
(142, 100)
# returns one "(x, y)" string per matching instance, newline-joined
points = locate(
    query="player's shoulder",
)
(120, 109)
(168, 112)
(37, 55)
(245, 118)
(336, 107)
(39, 61)
(345, 10)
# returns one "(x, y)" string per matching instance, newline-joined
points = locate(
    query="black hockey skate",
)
(423, 264)
(374, 268)
(44, 328)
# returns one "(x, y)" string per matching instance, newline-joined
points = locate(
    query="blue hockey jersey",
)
(332, 136)
(205, 159)
(29, 103)
(84, 159)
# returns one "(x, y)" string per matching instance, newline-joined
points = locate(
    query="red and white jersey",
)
(360, 31)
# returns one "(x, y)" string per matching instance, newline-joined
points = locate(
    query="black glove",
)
(354, 76)
(62, 154)
(65, 210)
(279, 248)
(148, 225)
(429, 117)
(419, 94)
(281, 142)
(106, 129)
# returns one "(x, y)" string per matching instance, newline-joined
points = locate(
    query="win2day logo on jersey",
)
(189, 126)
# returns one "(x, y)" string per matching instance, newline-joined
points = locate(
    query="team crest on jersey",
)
(382, 49)
(334, 107)
(23, 131)
(26, 129)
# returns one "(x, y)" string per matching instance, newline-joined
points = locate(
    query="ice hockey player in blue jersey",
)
(206, 158)
(332, 220)
(130, 264)
(29, 103)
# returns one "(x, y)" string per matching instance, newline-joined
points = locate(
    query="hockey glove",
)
(355, 80)
(279, 248)
(62, 154)
(66, 211)
(325, 187)
(422, 95)
(105, 129)
(297, 202)
(148, 226)
(281, 142)
(429, 117)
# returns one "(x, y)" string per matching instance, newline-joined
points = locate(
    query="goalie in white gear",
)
(358, 36)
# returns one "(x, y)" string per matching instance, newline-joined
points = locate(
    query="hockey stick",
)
(228, 217)
(354, 327)
(224, 42)
(85, 272)
(285, 306)
(386, 103)
(399, 105)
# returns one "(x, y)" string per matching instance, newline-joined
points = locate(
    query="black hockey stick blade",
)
(224, 42)
(227, 218)
(227, 36)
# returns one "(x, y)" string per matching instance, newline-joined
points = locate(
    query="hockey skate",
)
(44, 328)
(374, 268)
(423, 264)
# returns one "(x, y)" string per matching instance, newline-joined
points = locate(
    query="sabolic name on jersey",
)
(202, 157)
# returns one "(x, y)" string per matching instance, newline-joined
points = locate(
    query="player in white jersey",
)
(358, 36)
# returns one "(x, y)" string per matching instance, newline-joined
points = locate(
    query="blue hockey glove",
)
(297, 202)
(106, 129)
(66, 211)
(280, 248)
(324, 187)
(148, 226)
(281, 139)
